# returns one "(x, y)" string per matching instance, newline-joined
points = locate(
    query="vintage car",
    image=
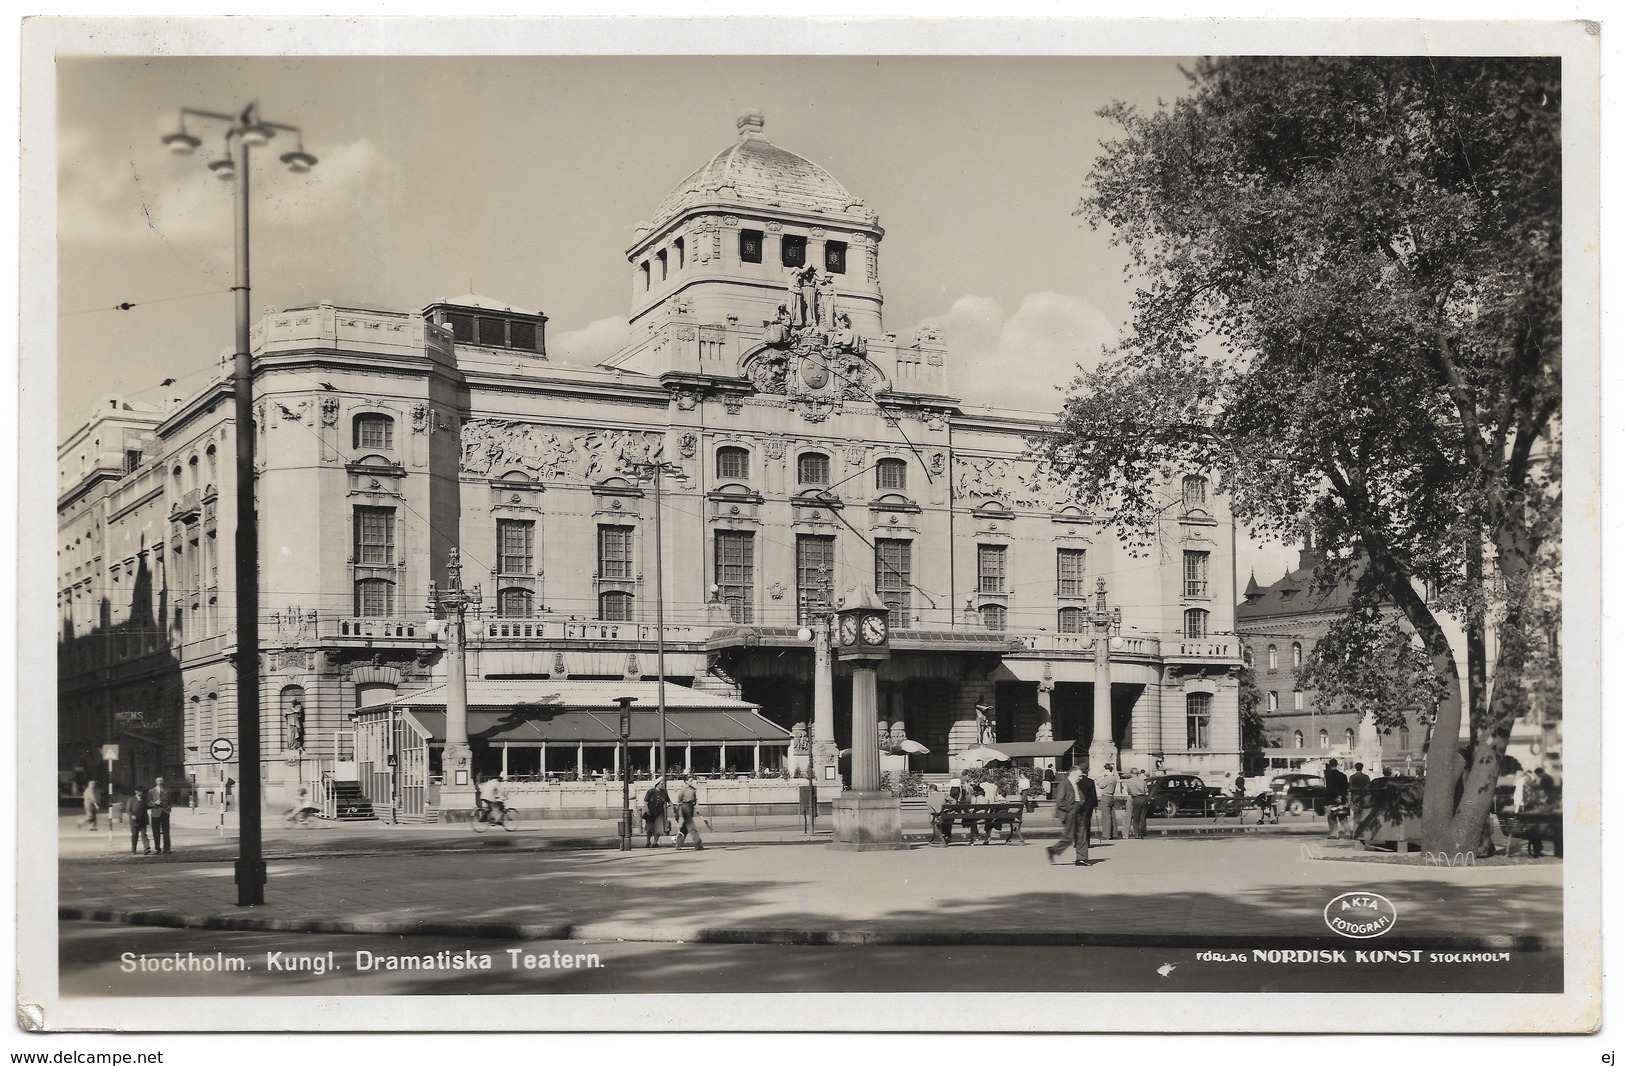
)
(1175, 794)
(1299, 792)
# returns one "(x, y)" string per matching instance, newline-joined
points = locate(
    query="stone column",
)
(866, 819)
(1101, 748)
(865, 726)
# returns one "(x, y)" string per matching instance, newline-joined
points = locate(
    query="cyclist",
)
(492, 805)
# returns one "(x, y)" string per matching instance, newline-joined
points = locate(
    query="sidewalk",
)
(1251, 891)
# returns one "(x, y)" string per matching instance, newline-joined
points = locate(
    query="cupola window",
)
(835, 257)
(750, 246)
(793, 251)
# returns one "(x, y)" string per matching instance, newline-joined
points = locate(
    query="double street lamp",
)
(655, 471)
(243, 132)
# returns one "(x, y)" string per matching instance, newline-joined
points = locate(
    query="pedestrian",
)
(158, 804)
(1240, 792)
(1106, 788)
(1074, 804)
(93, 802)
(1139, 804)
(138, 823)
(656, 820)
(1337, 798)
(687, 800)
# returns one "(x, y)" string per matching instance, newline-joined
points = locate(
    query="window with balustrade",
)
(990, 568)
(615, 607)
(516, 546)
(736, 572)
(1069, 577)
(516, 603)
(1195, 623)
(1198, 721)
(375, 536)
(894, 566)
(374, 598)
(615, 553)
(1196, 574)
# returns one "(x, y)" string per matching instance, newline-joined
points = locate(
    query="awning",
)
(572, 695)
(1037, 749)
(602, 728)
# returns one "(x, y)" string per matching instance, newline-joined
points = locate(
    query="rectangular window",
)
(815, 575)
(990, 567)
(1196, 574)
(1069, 619)
(493, 332)
(515, 544)
(894, 565)
(462, 327)
(682, 258)
(522, 335)
(736, 572)
(793, 251)
(661, 255)
(374, 598)
(374, 536)
(1069, 579)
(374, 431)
(515, 603)
(835, 257)
(132, 460)
(615, 552)
(892, 475)
(1198, 707)
(750, 246)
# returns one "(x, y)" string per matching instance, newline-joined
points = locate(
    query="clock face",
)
(874, 629)
(849, 630)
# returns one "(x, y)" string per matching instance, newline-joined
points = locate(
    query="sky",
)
(522, 178)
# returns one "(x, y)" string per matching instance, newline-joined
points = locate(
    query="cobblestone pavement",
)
(746, 886)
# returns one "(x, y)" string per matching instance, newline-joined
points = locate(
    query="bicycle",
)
(483, 819)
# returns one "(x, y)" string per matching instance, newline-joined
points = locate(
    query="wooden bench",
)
(989, 816)
(1531, 827)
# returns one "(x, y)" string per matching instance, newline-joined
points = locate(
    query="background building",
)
(804, 449)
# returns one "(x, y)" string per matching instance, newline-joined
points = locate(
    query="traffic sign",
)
(222, 749)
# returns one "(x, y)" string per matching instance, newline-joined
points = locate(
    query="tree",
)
(1347, 305)
(1255, 736)
(1367, 662)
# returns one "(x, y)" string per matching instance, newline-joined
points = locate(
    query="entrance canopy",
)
(536, 713)
(1041, 749)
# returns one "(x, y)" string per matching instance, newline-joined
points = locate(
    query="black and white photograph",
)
(777, 526)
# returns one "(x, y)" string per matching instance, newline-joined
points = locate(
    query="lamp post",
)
(455, 759)
(1106, 623)
(626, 703)
(655, 471)
(243, 132)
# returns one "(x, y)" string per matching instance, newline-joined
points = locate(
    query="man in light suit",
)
(1074, 804)
(1106, 788)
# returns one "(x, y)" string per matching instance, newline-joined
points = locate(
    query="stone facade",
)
(803, 449)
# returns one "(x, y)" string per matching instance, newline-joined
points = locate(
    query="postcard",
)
(810, 526)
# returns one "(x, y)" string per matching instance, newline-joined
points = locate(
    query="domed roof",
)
(755, 170)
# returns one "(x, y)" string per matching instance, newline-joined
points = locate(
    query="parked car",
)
(1175, 794)
(1300, 792)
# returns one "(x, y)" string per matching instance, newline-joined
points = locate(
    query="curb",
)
(675, 934)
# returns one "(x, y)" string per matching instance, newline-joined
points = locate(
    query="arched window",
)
(1297, 738)
(1325, 739)
(1194, 492)
(615, 607)
(1196, 622)
(214, 466)
(1404, 738)
(1348, 739)
(1274, 701)
(1069, 620)
(992, 616)
(812, 468)
(374, 598)
(733, 464)
(516, 603)
(374, 431)
(1275, 658)
(891, 474)
(1297, 656)
(191, 474)
(1198, 719)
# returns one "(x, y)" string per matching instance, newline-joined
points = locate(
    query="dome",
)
(755, 170)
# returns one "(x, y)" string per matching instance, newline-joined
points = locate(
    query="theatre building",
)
(801, 447)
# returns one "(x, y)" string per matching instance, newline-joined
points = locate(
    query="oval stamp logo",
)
(1360, 915)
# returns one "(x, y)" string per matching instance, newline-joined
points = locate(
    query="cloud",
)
(111, 198)
(591, 344)
(1020, 360)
